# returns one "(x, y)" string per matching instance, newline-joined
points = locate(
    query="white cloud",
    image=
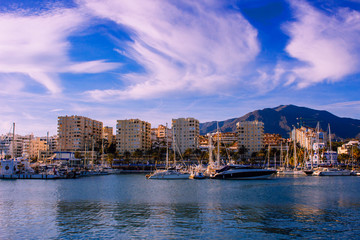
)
(327, 45)
(184, 46)
(35, 44)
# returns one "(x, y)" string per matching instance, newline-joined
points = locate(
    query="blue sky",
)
(157, 60)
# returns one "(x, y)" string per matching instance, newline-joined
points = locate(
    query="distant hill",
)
(281, 119)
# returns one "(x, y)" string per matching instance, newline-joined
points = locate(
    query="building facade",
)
(227, 138)
(108, 134)
(308, 137)
(77, 133)
(132, 134)
(161, 135)
(250, 134)
(38, 148)
(186, 133)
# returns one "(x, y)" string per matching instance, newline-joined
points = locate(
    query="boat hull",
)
(170, 176)
(334, 174)
(245, 174)
(29, 176)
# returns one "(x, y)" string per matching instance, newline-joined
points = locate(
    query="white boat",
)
(291, 173)
(20, 169)
(198, 172)
(243, 172)
(331, 172)
(354, 173)
(170, 172)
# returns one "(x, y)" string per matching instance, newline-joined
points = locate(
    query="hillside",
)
(281, 119)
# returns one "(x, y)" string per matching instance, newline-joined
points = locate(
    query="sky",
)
(162, 59)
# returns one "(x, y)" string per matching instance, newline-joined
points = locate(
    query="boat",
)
(332, 172)
(20, 169)
(170, 173)
(174, 172)
(295, 171)
(198, 172)
(213, 166)
(243, 172)
(355, 173)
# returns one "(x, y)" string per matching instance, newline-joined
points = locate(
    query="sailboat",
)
(295, 171)
(173, 172)
(213, 167)
(330, 171)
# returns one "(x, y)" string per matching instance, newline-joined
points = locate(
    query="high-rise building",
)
(77, 132)
(132, 134)
(250, 134)
(186, 133)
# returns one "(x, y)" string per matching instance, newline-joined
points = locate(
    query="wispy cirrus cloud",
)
(183, 46)
(36, 45)
(326, 44)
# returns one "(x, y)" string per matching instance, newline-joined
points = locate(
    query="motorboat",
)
(243, 172)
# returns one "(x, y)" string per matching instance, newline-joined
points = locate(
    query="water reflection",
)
(131, 207)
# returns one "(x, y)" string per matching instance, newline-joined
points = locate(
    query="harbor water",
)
(133, 207)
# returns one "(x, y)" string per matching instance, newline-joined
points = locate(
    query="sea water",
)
(133, 207)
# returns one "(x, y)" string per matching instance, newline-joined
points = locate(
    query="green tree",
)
(242, 150)
(127, 155)
(138, 154)
(187, 153)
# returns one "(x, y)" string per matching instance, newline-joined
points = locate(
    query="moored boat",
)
(332, 172)
(243, 172)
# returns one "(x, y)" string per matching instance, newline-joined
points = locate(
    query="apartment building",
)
(227, 138)
(18, 147)
(77, 133)
(159, 135)
(108, 134)
(132, 134)
(308, 137)
(186, 133)
(250, 134)
(38, 147)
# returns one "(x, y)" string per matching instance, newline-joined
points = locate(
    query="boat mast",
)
(268, 156)
(174, 145)
(330, 150)
(287, 155)
(275, 160)
(102, 152)
(210, 149)
(295, 159)
(317, 142)
(281, 155)
(167, 149)
(13, 145)
(218, 146)
(92, 151)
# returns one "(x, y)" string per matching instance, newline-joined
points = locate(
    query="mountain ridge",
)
(282, 118)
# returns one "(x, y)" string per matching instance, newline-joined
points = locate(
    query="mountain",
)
(281, 119)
